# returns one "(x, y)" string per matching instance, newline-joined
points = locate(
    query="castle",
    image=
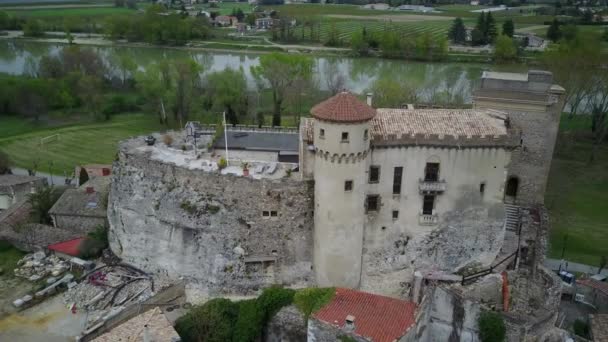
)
(357, 197)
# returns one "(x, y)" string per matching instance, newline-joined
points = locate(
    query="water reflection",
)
(17, 57)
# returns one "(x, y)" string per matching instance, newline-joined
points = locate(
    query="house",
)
(14, 188)
(380, 7)
(264, 23)
(416, 8)
(151, 325)
(363, 316)
(83, 209)
(67, 249)
(594, 292)
(93, 170)
(223, 20)
(241, 27)
(474, 3)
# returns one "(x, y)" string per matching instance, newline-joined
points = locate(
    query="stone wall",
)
(287, 325)
(208, 228)
(80, 224)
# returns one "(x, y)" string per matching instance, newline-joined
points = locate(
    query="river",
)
(428, 78)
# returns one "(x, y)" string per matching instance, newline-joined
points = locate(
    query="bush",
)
(222, 164)
(95, 242)
(119, 104)
(491, 327)
(250, 321)
(581, 328)
(211, 322)
(312, 299)
(273, 299)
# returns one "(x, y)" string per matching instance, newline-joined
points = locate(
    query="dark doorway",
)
(431, 172)
(428, 203)
(512, 185)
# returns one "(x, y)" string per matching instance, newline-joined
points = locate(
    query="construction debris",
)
(37, 266)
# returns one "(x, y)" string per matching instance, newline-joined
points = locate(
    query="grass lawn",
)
(69, 12)
(9, 256)
(78, 144)
(577, 195)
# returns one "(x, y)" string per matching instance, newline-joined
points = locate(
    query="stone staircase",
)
(512, 217)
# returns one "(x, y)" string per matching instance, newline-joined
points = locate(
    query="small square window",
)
(482, 187)
(348, 185)
(344, 136)
(273, 213)
(365, 135)
(395, 214)
(322, 133)
(372, 203)
(265, 213)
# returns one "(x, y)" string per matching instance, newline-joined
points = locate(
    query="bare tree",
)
(335, 80)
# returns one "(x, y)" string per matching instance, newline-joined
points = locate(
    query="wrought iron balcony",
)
(426, 187)
(428, 220)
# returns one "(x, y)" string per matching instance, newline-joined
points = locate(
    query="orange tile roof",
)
(378, 318)
(598, 285)
(449, 122)
(343, 107)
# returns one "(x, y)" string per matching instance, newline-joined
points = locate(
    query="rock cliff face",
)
(210, 229)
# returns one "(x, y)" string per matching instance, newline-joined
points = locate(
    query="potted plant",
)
(245, 166)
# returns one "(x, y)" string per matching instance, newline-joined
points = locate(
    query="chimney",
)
(349, 323)
(369, 99)
(90, 190)
(146, 334)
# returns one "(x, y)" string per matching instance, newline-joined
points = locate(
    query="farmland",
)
(69, 12)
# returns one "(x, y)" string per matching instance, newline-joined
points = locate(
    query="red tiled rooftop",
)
(69, 247)
(602, 286)
(378, 318)
(343, 107)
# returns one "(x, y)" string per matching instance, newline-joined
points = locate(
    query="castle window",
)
(344, 136)
(365, 135)
(374, 174)
(428, 203)
(372, 203)
(348, 185)
(431, 172)
(395, 214)
(266, 213)
(482, 187)
(397, 175)
(273, 213)
(322, 133)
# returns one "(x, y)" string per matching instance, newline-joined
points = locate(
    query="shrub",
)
(250, 321)
(273, 299)
(211, 322)
(95, 242)
(491, 327)
(312, 299)
(167, 139)
(118, 104)
(581, 328)
(222, 164)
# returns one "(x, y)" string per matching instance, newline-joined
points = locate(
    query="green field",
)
(577, 195)
(77, 144)
(69, 12)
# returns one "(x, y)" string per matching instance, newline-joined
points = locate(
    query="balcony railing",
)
(431, 186)
(428, 220)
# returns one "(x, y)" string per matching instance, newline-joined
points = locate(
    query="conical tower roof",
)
(343, 107)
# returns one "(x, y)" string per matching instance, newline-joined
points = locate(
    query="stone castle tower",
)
(534, 105)
(342, 148)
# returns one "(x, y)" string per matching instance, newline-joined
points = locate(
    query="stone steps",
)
(512, 217)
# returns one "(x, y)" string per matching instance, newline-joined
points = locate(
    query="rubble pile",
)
(106, 291)
(36, 266)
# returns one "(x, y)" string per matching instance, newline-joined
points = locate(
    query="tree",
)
(33, 28)
(505, 49)
(228, 90)
(5, 163)
(491, 31)
(132, 4)
(392, 93)
(358, 43)
(333, 36)
(458, 33)
(41, 202)
(508, 28)
(334, 79)
(187, 78)
(127, 67)
(482, 29)
(491, 327)
(569, 32)
(155, 85)
(210, 322)
(281, 71)
(553, 32)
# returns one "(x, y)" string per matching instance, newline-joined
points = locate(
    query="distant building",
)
(416, 8)
(475, 3)
(223, 20)
(14, 188)
(241, 27)
(94, 170)
(83, 209)
(595, 292)
(380, 7)
(264, 23)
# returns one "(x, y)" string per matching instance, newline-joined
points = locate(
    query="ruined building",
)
(371, 195)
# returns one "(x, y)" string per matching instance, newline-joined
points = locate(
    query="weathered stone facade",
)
(209, 228)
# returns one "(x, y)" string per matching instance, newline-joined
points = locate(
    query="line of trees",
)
(393, 44)
(485, 31)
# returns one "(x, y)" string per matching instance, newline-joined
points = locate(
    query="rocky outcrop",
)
(211, 230)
